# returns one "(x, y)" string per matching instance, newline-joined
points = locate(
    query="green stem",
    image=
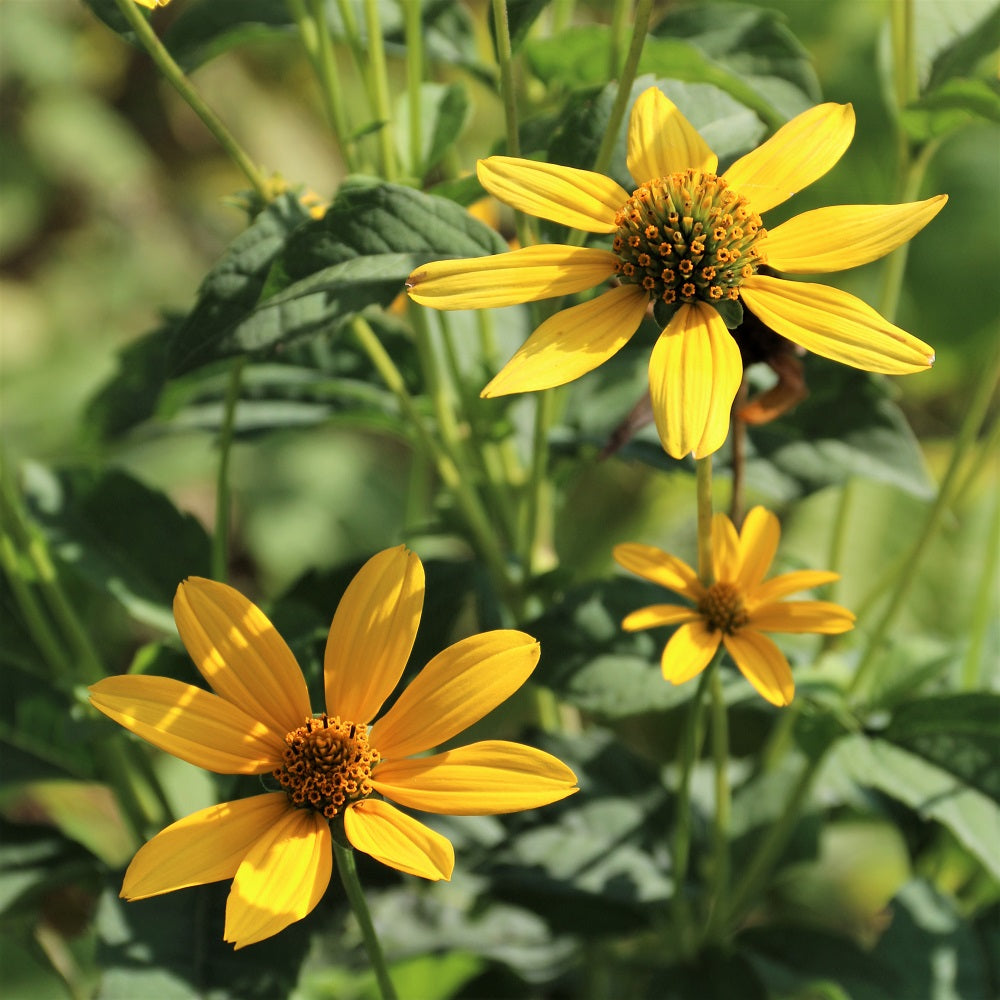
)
(220, 539)
(619, 25)
(414, 78)
(964, 441)
(537, 480)
(720, 827)
(380, 89)
(175, 76)
(983, 610)
(348, 872)
(703, 485)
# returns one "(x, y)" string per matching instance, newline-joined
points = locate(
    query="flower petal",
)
(240, 653)
(662, 141)
(581, 199)
(572, 342)
(799, 153)
(842, 236)
(382, 831)
(822, 617)
(688, 652)
(281, 879)
(206, 846)
(836, 325)
(789, 583)
(694, 373)
(725, 549)
(508, 279)
(481, 779)
(192, 724)
(758, 543)
(660, 567)
(372, 634)
(658, 614)
(762, 664)
(457, 688)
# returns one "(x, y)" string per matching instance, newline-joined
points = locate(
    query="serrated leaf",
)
(959, 733)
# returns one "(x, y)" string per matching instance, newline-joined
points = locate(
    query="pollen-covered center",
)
(723, 609)
(328, 764)
(688, 237)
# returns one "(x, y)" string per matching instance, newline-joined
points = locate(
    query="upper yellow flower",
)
(736, 607)
(277, 846)
(688, 238)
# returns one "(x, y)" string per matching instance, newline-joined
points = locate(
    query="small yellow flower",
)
(736, 608)
(152, 4)
(690, 239)
(333, 766)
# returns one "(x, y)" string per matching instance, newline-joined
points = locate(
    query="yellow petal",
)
(822, 617)
(573, 342)
(192, 724)
(372, 634)
(382, 831)
(725, 549)
(662, 141)
(457, 688)
(240, 653)
(281, 879)
(206, 846)
(688, 652)
(758, 543)
(763, 665)
(659, 567)
(789, 583)
(581, 199)
(836, 325)
(478, 780)
(842, 236)
(658, 614)
(694, 373)
(799, 153)
(507, 279)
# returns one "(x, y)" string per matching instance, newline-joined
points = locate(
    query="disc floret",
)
(327, 764)
(688, 237)
(723, 609)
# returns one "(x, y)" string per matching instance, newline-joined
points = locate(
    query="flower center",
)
(327, 764)
(687, 237)
(722, 608)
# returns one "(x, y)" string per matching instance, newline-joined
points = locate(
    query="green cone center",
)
(327, 764)
(722, 608)
(688, 237)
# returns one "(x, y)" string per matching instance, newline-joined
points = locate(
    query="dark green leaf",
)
(960, 733)
(521, 15)
(955, 103)
(956, 52)
(108, 12)
(444, 112)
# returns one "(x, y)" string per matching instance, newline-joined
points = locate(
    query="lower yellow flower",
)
(333, 766)
(736, 608)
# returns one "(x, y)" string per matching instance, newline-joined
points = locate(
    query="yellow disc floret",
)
(687, 237)
(328, 764)
(723, 609)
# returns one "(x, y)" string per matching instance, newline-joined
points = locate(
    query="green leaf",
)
(444, 113)
(932, 792)
(960, 733)
(951, 38)
(122, 537)
(521, 15)
(108, 12)
(205, 30)
(955, 103)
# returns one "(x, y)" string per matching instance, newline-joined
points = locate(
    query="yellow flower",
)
(152, 4)
(736, 608)
(334, 766)
(689, 239)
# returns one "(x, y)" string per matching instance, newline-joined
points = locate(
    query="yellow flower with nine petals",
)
(736, 608)
(334, 766)
(691, 240)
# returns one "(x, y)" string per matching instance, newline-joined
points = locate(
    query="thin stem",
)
(220, 539)
(348, 872)
(380, 89)
(703, 484)
(964, 441)
(537, 479)
(414, 77)
(983, 610)
(175, 76)
(619, 25)
(720, 827)
(738, 444)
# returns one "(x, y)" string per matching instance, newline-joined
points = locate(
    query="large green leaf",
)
(951, 38)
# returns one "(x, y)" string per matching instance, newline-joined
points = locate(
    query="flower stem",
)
(720, 828)
(537, 480)
(348, 872)
(380, 89)
(220, 537)
(703, 483)
(175, 76)
(414, 77)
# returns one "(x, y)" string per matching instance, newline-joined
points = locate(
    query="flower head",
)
(736, 608)
(687, 241)
(329, 766)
